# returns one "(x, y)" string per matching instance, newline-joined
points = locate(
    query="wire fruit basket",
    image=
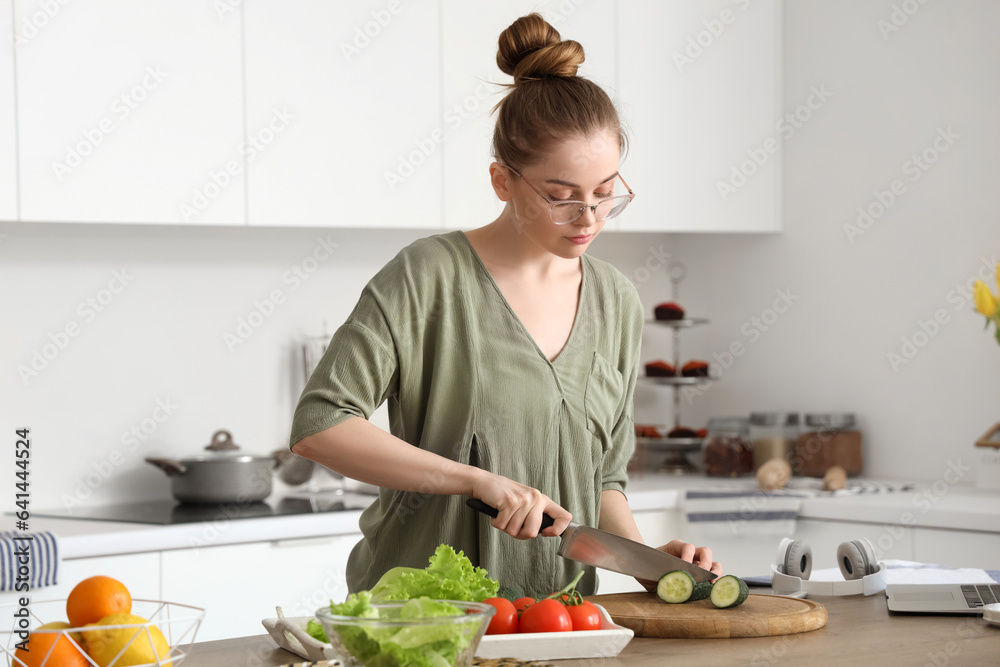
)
(178, 624)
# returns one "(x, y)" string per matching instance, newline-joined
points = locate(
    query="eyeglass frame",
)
(584, 205)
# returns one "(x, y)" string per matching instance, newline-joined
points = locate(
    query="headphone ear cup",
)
(857, 558)
(798, 560)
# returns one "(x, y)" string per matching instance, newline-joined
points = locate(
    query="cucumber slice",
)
(701, 591)
(675, 587)
(729, 591)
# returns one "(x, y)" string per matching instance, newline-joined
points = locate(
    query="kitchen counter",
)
(859, 630)
(934, 504)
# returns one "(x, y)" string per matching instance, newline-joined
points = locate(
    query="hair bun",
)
(531, 49)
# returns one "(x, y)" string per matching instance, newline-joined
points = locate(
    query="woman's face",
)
(582, 169)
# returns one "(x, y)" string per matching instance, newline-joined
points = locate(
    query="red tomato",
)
(584, 616)
(504, 621)
(521, 604)
(545, 616)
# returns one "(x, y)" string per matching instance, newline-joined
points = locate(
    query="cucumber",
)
(729, 591)
(675, 587)
(701, 591)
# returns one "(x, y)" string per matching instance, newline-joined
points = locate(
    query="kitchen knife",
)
(608, 551)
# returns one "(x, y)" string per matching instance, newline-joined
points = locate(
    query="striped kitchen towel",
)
(742, 508)
(724, 512)
(30, 559)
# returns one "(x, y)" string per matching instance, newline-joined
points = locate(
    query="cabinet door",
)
(957, 548)
(700, 89)
(344, 99)
(139, 572)
(8, 154)
(890, 541)
(131, 112)
(239, 585)
(470, 34)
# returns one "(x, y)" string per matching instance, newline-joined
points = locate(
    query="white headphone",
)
(863, 573)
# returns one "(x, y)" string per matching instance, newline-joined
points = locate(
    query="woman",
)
(507, 355)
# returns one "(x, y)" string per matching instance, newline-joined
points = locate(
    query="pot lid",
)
(222, 449)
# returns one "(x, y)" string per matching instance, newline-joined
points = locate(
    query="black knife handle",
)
(480, 506)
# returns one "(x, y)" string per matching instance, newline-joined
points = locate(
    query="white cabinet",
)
(8, 152)
(239, 585)
(700, 90)
(957, 548)
(139, 572)
(470, 35)
(890, 541)
(130, 112)
(343, 100)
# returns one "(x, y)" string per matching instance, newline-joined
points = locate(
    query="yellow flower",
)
(986, 303)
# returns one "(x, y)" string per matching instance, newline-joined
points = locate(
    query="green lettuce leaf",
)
(450, 576)
(427, 646)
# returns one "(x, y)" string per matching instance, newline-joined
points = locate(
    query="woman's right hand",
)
(520, 508)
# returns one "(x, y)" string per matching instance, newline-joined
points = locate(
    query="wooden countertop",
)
(860, 630)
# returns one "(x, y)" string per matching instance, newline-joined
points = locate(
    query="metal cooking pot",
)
(223, 475)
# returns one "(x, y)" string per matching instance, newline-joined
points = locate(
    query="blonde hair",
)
(547, 102)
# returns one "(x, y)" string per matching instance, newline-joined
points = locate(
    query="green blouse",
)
(433, 335)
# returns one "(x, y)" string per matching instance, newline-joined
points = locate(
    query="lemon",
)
(104, 644)
(61, 625)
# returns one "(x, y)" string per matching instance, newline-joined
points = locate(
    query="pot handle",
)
(222, 440)
(169, 466)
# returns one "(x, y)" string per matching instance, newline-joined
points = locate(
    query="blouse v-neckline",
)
(576, 317)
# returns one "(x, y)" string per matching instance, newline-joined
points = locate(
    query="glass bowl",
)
(394, 638)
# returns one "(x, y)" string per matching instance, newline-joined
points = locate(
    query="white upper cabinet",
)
(130, 111)
(344, 102)
(8, 154)
(470, 37)
(700, 85)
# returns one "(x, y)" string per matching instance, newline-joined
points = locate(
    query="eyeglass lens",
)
(563, 212)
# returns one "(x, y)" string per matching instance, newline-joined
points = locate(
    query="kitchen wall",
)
(160, 359)
(151, 356)
(879, 318)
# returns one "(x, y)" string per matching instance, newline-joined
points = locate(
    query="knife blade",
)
(608, 551)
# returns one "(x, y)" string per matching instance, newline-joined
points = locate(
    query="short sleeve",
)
(354, 377)
(614, 469)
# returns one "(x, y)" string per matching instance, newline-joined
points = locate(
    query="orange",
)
(94, 598)
(65, 654)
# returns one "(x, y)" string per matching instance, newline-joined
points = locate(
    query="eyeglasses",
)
(564, 211)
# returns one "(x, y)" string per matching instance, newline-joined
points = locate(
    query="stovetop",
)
(168, 512)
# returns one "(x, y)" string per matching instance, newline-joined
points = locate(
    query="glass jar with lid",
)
(773, 435)
(727, 449)
(828, 439)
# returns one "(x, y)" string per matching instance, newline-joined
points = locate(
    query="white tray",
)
(289, 633)
(604, 643)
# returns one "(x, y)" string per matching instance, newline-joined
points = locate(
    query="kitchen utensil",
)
(459, 633)
(223, 475)
(608, 551)
(759, 616)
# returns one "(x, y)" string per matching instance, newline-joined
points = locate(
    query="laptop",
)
(941, 598)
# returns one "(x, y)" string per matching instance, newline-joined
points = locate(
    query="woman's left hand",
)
(700, 556)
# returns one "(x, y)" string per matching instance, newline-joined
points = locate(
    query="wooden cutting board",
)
(759, 616)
